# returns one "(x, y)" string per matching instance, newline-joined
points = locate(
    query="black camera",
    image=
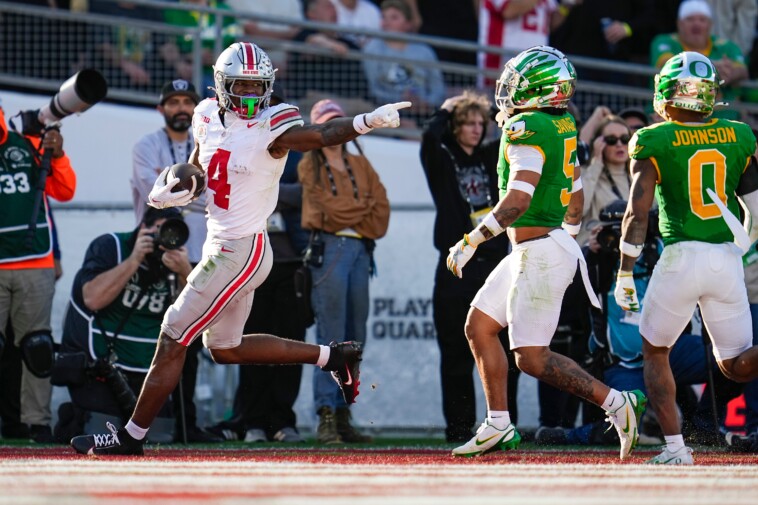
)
(102, 369)
(314, 255)
(172, 234)
(609, 236)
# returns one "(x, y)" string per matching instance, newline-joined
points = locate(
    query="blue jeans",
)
(340, 303)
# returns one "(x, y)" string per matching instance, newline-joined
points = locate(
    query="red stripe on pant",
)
(223, 299)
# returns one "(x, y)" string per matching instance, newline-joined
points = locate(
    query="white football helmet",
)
(243, 61)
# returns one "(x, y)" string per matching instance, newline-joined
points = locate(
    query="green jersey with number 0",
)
(555, 137)
(691, 158)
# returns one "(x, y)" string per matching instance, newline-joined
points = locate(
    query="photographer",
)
(616, 344)
(118, 299)
(27, 270)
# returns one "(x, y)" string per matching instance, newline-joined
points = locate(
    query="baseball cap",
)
(324, 110)
(691, 7)
(635, 112)
(178, 87)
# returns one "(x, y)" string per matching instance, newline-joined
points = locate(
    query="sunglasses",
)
(611, 140)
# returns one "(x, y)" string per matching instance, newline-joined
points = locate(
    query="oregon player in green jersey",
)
(696, 168)
(541, 206)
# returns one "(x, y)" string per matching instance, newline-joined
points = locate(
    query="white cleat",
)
(626, 419)
(488, 439)
(681, 457)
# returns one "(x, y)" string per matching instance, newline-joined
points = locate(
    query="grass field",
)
(389, 472)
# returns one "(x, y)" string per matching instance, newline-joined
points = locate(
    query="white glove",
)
(385, 116)
(459, 255)
(161, 196)
(626, 292)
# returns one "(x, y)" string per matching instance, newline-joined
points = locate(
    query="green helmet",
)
(688, 81)
(540, 76)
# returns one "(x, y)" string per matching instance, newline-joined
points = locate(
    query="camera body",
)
(314, 255)
(172, 234)
(104, 370)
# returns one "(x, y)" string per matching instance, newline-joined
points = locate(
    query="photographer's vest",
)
(138, 310)
(19, 172)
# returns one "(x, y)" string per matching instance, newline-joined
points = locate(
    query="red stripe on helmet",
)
(250, 61)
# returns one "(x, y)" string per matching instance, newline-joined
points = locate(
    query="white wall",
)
(400, 373)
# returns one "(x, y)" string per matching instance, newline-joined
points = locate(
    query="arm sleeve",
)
(431, 145)
(374, 225)
(523, 157)
(61, 183)
(435, 82)
(100, 257)
(145, 164)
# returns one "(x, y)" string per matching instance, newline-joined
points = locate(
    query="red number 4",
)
(218, 178)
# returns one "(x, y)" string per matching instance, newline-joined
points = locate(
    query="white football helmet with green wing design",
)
(540, 76)
(688, 81)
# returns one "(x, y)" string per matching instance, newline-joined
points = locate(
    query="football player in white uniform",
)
(242, 145)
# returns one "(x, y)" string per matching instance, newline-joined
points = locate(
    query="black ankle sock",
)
(336, 360)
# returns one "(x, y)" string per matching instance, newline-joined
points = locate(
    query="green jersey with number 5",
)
(555, 137)
(691, 158)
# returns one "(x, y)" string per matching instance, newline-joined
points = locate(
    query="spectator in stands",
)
(735, 20)
(292, 9)
(128, 55)
(394, 80)
(415, 16)
(454, 19)
(694, 33)
(358, 14)
(619, 30)
(346, 207)
(230, 32)
(164, 147)
(634, 118)
(114, 317)
(328, 73)
(514, 26)
(607, 178)
(461, 171)
(266, 394)
(27, 269)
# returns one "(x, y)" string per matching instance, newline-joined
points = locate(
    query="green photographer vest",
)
(19, 173)
(138, 310)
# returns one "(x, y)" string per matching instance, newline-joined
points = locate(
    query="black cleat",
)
(117, 442)
(344, 364)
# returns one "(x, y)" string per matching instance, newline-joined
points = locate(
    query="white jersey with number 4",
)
(243, 177)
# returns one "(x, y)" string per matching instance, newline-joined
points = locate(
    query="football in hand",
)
(190, 178)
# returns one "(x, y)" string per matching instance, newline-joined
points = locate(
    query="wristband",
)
(361, 125)
(572, 229)
(490, 222)
(474, 238)
(624, 273)
(577, 185)
(632, 250)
